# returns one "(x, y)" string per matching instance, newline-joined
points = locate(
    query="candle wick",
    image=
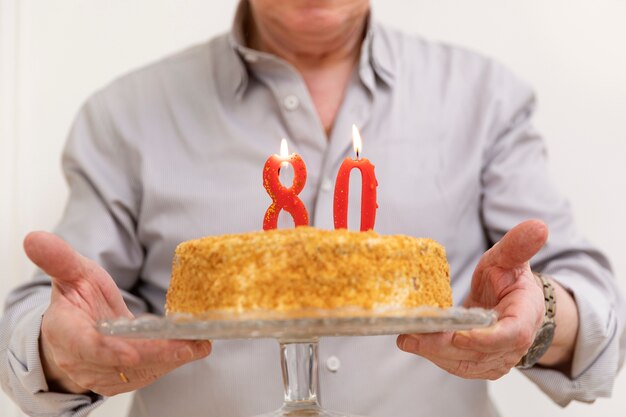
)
(357, 155)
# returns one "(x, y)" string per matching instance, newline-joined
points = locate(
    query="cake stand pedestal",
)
(297, 333)
(298, 361)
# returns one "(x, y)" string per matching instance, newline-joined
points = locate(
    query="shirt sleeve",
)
(99, 222)
(516, 187)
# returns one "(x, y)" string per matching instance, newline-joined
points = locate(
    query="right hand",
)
(76, 358)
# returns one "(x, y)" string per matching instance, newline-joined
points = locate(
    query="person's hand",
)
(504, 282)
(75, 357)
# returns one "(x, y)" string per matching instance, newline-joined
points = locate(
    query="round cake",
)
(307, 268)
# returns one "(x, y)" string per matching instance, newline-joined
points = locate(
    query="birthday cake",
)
(307, 268)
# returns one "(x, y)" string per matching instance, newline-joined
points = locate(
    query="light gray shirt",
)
(175, 150)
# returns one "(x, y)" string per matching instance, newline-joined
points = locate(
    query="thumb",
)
(519, 245)
(67, 269)
(54, 256)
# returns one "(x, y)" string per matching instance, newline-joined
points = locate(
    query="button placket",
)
(355, 109)
(301, 126)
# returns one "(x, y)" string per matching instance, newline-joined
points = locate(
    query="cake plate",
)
(297, 333)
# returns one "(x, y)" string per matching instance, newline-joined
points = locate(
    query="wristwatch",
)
(544, 336)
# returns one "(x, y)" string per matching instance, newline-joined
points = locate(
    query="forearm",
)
(560, 354)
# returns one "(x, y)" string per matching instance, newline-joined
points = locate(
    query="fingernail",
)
(409, 344)
(206, 347)
(184, 354)
(461, 339)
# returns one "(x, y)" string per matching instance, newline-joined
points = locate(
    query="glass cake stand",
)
(297, 333)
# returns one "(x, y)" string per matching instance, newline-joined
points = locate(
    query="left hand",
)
(504, 282)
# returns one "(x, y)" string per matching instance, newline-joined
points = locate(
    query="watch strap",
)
(546, 331)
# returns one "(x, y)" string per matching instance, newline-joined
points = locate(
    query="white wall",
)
(54, 54)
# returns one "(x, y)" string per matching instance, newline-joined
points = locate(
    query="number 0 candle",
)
(283, 197)
(368, 187)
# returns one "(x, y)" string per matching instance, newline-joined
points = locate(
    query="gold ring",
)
(123, 377)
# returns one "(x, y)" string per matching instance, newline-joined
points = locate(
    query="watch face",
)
(540, 346)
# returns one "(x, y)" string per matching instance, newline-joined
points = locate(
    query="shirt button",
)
(291, 102)
(327, 184)
(333, 364)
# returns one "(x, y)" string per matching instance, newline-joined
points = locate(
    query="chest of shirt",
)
(203, 167)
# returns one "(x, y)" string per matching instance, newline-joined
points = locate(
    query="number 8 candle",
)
(368, 187)
(283, 197)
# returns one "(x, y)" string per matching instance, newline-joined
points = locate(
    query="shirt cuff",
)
(597, 353)
(29, 388)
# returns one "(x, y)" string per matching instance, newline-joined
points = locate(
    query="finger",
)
(104, 353)
(106, 375)
(145, 375)
(176, 352)
(54, 256)
(109, 381)
(76, 340)
(113, 382)
(111, 351)
(113, 377)
(493, 369)
(439, 346)
(518, 246)
(507, 335)
(468, 364)
(71, 271)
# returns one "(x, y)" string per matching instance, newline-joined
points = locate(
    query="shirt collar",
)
(375, 60)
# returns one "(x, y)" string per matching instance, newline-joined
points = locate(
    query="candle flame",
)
(284, 152)
(356, 141)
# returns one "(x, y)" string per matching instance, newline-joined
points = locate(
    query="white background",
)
(54, 54)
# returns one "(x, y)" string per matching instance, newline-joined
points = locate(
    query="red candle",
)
(368, 187)
(283, 197)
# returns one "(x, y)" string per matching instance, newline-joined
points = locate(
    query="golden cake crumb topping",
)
(305, 267)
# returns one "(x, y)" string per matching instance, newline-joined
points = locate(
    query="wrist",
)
(56, 378)
(560, 354)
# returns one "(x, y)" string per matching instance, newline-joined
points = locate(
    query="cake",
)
(307, 268)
